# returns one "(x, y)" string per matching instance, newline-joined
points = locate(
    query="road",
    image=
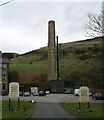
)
(49, 106)
(52, 98)
(51, 110)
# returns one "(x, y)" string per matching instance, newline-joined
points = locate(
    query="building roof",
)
(3, 60)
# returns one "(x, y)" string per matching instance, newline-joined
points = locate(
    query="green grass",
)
(95, 110)
(0, 109)
(26, 67)
(25, 111)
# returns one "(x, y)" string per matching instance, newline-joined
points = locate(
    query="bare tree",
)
(6, 3)
(95, 25)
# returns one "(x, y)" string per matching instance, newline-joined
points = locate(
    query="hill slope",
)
(79, 60)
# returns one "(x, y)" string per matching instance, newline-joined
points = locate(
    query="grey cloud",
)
(75, 15)
(29, 23)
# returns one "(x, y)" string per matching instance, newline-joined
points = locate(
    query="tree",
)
(13, 76)
(95, 25)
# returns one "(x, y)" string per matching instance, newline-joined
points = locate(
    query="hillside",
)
(79, 60)
(84, 46)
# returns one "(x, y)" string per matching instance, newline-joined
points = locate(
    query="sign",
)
(13, 90)
(83, 94)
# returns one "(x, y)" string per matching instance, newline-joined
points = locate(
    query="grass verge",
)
(95, 111)
(25, 111)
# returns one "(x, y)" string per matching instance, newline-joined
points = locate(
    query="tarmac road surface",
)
(51, 110)
(52, 98)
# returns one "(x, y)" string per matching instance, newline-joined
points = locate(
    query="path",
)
(51, 110)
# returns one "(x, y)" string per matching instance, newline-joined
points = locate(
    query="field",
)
(27, 67)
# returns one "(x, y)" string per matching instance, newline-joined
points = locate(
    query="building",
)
(4, 70)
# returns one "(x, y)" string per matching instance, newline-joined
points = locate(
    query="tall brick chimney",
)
(52, 61)
(54, 84)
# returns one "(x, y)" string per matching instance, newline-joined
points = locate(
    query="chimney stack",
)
(52, 62)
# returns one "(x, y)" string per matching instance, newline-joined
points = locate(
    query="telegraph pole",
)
(57, 59)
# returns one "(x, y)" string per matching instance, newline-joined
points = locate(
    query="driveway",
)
(51, 110)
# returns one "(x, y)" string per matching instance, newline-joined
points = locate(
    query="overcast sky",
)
(24, 23)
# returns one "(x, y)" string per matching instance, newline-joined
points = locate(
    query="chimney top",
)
(52, 21)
